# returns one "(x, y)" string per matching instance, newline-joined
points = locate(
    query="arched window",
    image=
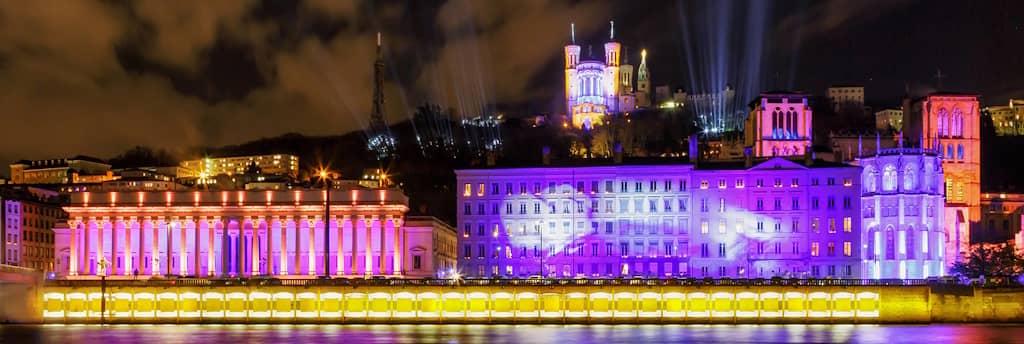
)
(889, 178)
(791, 128)
(909, 175)
(775, 121)
(942, 122)
(949, 151)
(870, 179)
(890, 243)
(960, 151)
(872, 245)
(958, 122)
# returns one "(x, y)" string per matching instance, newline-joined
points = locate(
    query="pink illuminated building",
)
(949, 124)
(779, 124)
(237, 234)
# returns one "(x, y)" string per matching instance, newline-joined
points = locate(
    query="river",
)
(563, 334)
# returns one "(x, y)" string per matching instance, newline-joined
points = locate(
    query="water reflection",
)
(574, 334)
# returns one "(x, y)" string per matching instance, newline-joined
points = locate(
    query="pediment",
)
(777, 164)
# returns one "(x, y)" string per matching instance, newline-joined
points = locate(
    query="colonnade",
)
(230, 246)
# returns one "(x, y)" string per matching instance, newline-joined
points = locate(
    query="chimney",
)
(808, 156)
(546, 155)
(617, 153)
(694, 153)
(748, 157)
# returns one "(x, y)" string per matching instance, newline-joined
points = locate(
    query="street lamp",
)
(103, 289)
(327, 222)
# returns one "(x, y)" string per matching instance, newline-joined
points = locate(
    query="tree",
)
(990, 261)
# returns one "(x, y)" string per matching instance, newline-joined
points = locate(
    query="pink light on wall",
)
(169, 197)
(382, 196)
(270, 197)
(355, 196)
(241, 198)
(85, 199)
(224, 198)
(298, 197)
(195, 198)
(141, 197)
(113, 198)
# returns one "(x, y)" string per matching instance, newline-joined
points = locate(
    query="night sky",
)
(97, 77)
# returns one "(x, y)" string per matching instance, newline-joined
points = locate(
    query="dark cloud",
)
(96, 76)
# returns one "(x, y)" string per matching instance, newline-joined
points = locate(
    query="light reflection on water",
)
(562, 334)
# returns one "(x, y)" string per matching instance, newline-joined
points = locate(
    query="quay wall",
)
(605, 304)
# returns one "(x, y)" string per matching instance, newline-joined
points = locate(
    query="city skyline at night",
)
(501, 171)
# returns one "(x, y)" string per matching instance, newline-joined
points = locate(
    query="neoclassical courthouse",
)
(249, 233)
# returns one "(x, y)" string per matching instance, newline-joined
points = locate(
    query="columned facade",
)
(235, 234)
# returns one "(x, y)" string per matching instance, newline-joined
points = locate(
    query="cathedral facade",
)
(948, 123)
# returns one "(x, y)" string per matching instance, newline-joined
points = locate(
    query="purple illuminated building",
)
(761, 218)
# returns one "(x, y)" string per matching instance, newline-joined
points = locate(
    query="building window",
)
(721, 250)
(847, 249)
(704, 227)
(417, 262)
(721, 183)
(468, 190)
(814, 249)
(847, 224)
(889, 178)
(831, 249)
(704, 184)
(480, 189)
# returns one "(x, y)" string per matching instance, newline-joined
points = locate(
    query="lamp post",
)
(327, 223)
(103, 289)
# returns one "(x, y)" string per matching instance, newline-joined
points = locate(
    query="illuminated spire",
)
(572, 32)
(612, 35)
(642, 71)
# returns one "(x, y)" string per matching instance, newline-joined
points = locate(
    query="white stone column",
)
(296, 258)
(87, 251)
(154, 256)
(142, 244)
(113, 247)
(254, 248)
(339, 255)
(211, 262)
(282, 231)
(128, 266)
(396, 254)
(311, 246)
(383, 254)
(354, 263)
(73, 258)
(368, 246)
(103, 269)
(197, 258)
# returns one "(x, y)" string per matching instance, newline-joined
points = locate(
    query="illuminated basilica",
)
(597, 87)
